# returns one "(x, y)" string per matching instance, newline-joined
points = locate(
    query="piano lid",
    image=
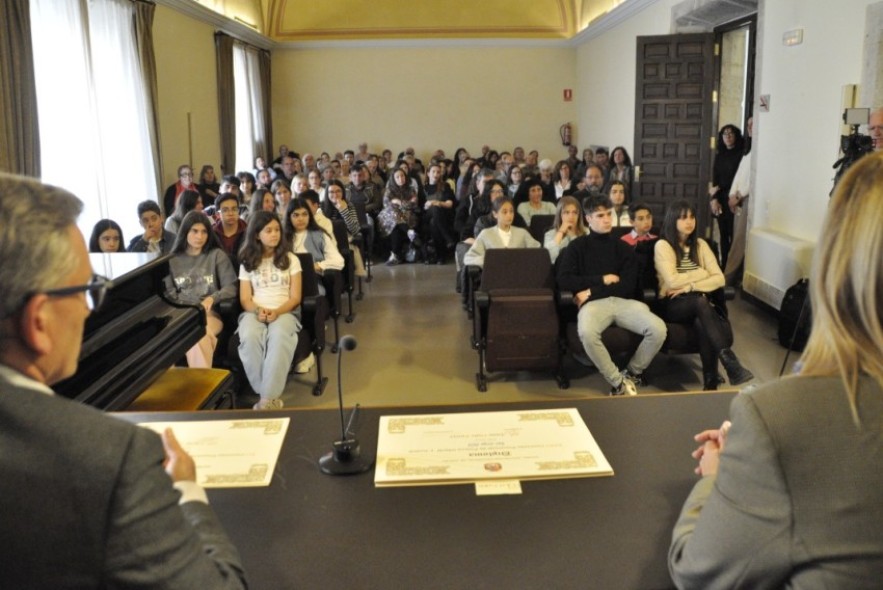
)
(135, 336)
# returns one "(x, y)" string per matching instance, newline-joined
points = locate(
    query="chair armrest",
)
(565, 299)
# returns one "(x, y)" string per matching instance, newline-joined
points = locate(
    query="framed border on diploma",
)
(437, 449)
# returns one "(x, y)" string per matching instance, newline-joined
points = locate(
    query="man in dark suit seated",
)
(88, 499)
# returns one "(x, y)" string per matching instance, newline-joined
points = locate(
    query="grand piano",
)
(135, 336)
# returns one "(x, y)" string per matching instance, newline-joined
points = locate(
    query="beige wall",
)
(606, 66)
(186, 82)
(440, 97)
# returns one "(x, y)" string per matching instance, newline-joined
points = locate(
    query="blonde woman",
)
(568, 226)
(791, 493)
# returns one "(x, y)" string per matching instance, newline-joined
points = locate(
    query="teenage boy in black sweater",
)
(601, 271)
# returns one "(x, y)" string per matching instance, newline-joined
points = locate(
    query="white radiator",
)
(773, 262)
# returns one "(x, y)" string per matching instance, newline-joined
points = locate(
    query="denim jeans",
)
(596, 316)
(266, 351)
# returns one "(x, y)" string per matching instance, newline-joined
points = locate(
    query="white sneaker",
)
(305, 365)
(269, 404)
(626, 387)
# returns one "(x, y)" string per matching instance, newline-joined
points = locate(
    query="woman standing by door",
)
(726, 163)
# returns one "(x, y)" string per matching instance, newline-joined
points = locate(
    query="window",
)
(94, 134)
(249, 110)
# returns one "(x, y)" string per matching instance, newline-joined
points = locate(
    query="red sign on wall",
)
(568, 95)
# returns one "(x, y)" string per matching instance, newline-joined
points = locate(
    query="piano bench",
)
(180, 389)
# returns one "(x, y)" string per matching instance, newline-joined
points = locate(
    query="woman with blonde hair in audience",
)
(791, 493)
(107, 236)
(398, 217)
(691, 292)
(568, 226)
(201, 274)
(564, 184)
(535, 205)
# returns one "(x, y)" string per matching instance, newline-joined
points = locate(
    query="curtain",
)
(226, 101)
(19, 128)
(266, 148)
(144, 36)
(251, 112)
(94, 133)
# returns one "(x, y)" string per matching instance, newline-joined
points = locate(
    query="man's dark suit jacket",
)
(86, 503)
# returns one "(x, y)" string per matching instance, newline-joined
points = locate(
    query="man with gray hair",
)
(89, 499)
(875, 128)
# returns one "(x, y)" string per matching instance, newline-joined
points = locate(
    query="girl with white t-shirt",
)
(270, 294)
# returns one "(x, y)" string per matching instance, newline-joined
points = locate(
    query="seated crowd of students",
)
(457, 207)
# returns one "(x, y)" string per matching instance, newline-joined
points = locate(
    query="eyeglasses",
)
(95, 291)
(729, 132)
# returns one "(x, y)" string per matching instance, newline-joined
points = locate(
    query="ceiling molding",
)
(610, 20)
(222, 23)
(595, 28)
(420, 43)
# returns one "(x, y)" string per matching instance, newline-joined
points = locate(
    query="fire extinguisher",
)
(566, 131)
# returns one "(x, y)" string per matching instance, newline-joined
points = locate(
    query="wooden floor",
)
(413, 349)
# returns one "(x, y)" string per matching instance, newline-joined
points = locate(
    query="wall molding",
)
(208, 16)
(610, 20)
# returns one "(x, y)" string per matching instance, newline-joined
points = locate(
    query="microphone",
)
(345, 456)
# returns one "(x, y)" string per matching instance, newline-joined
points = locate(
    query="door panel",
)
(673, 116)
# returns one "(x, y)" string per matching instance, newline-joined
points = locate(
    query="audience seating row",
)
(522, 323)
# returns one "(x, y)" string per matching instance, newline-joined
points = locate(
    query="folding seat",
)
(311, 339)
(515, 325)
(539, 225)
(365, 243)
(348, 273)
(314, 314)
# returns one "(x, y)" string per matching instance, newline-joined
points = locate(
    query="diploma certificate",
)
(470, 447)
(230, 453)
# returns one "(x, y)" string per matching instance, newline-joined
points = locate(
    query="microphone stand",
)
(345, 457)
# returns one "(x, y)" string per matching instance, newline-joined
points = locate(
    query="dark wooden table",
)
(308, 530)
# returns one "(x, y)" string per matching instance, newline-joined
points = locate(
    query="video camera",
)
(855, 145)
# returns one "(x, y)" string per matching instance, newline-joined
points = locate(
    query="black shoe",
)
(736, 373)
(710, 381)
